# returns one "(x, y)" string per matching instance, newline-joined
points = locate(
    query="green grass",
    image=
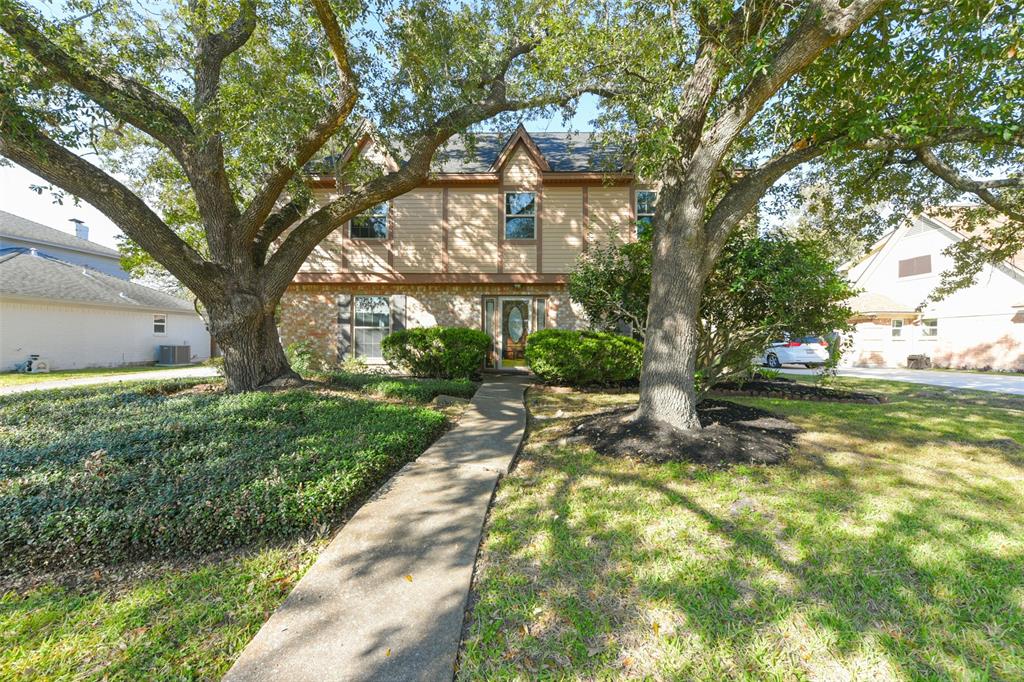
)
(147, 530)
(889, 547)
(18, 379)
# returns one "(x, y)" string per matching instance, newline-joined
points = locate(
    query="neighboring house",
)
(979, 327)
(487, 242)
(17, 232)
(67, 300)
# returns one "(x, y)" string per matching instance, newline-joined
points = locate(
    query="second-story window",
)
(645, 200)
(371, 224)
(520, 215)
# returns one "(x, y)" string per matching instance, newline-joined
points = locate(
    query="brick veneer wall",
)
(309, 311)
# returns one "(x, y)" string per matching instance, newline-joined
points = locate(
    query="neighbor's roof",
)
(26, 274)
(16, 227)
(584, 152)
(869, 302)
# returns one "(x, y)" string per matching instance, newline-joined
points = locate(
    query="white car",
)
(809, 351)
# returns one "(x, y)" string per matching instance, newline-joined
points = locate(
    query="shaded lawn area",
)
(19, 379)
(147, 530)
(889, 546)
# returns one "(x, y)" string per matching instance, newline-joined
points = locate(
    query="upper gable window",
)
(921, 265)
(645, 200)
(370, 224)
(520, 215)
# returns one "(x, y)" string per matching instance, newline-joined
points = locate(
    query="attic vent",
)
(916, 229)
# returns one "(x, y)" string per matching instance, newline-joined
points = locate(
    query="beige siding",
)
(519, 258)
(367, 255)
(419, 231)
(326, 257)
(609, 213)
(562, 233)
(520, 171)
(473, 217)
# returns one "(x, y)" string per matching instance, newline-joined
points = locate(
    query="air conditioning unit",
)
(36, 365)
(174, 355)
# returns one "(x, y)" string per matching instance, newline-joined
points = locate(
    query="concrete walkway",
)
(172, 373)
(386, 599)
(995, 382)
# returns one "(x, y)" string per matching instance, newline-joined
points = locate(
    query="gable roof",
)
(26, 273)
(585, 152)
(16, 227)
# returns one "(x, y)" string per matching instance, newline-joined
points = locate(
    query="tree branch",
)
(28, 146)
(979, 188)
(213, 48)
(124, 97)
(284, 170)
(823, 24)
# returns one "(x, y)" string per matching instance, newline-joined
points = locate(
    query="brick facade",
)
(309, 312)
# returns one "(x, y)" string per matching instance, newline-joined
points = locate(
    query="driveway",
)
(997, 383)
(176, 373)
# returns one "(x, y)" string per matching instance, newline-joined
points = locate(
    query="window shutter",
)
(344, 327)
(398, 312)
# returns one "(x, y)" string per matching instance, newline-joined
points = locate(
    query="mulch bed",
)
(732, 434)
(791, 390)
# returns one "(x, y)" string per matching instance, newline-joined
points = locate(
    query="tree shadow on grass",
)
(879, 551)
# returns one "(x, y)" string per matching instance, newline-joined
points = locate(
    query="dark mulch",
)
(791, 390)
(732, 434)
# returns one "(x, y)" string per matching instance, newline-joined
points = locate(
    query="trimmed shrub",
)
(437, 352)
(304, 358)
(562, 356)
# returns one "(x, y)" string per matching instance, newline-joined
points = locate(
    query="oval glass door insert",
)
(515, 325)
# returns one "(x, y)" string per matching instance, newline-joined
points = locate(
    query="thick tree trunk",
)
(667, 383)
(247, 335)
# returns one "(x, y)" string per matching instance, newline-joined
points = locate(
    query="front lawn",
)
(147, 530)
(889, 546)
(19, 379)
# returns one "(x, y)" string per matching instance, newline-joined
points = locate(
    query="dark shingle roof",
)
(564, 152)
(16, 227)
(29, 274)
(476, 153)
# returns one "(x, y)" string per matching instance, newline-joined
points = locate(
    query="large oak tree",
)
(721, 100)
(189, 123)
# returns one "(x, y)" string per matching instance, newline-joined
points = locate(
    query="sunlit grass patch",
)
(891, 546)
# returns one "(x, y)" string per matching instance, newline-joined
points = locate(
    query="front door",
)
(515, 324)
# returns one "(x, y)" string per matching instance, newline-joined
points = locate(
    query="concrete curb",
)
(386, 599)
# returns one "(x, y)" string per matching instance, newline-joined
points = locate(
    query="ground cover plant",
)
(889, 546)
(147, 530)
(404, 388)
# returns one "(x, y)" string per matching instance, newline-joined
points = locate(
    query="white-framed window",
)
(912, 267)
(897, 329)
(645, 201)
(370, 224)
(372, 323)
(159, 325)
(520, 215)
(929, 328)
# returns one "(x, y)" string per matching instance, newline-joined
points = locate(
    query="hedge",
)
(583, 358)
(437, 352)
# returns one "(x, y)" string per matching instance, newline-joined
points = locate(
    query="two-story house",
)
(487, 242)
(978, 327)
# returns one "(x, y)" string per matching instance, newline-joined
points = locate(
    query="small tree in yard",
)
(210, 110)
(762, 286)
(718, 101)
